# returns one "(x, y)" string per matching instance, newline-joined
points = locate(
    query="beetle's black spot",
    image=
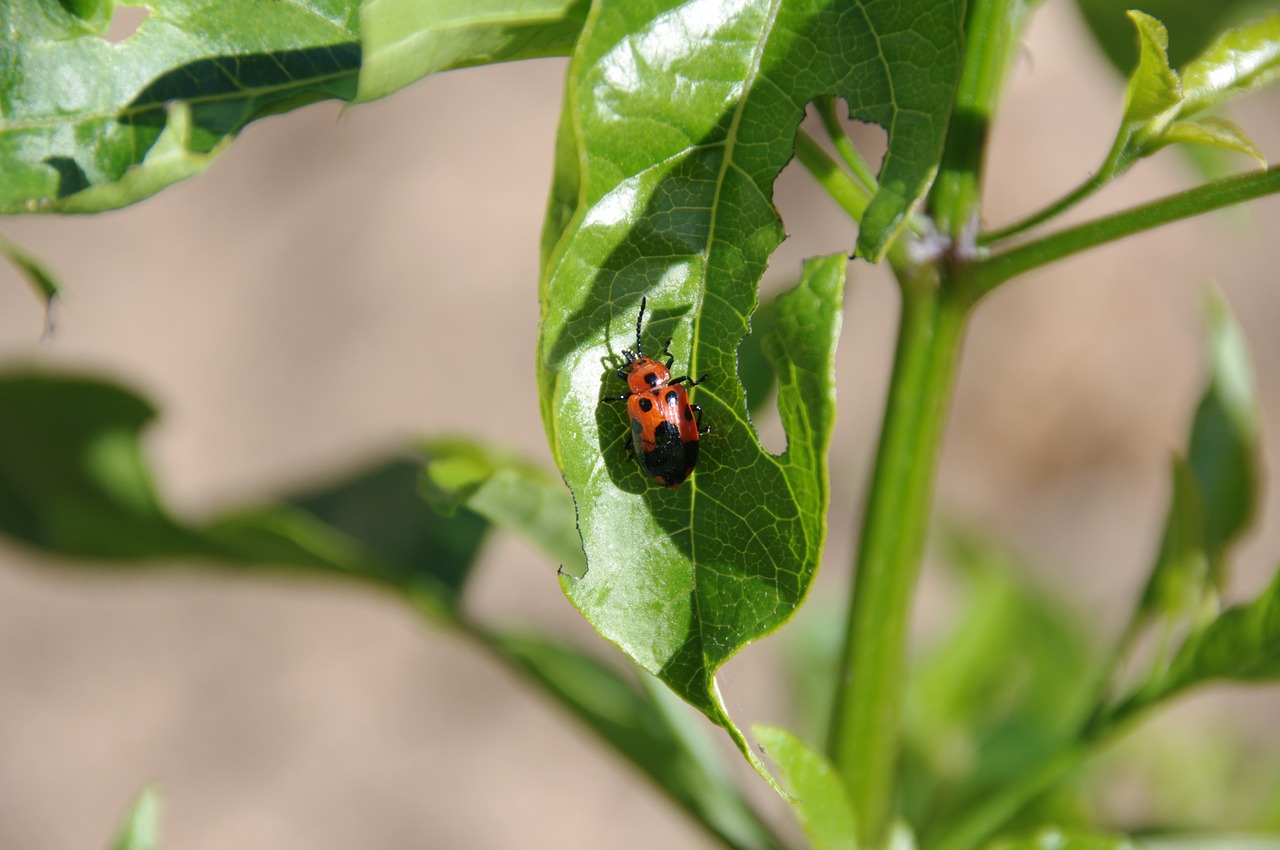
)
(651, 378)
(666, 432)
(673, 397)
(645, 404)
(668, 458)
(688, 413)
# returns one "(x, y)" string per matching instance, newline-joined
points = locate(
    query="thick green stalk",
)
(865, 722)
(866, 718)
(991, 33)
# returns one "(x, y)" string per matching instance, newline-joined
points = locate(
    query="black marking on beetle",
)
(688, 414)
(673, 397)
(645, 404)
(651, 379)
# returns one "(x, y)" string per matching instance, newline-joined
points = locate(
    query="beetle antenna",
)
(639, 319)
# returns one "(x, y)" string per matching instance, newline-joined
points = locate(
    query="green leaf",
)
(1154, 87)
(507, 491)
(1240, 60)
(1225, 448)
(636, 723)
(72, 476)
(1179, 578)
(682, 579)
(672, 201)
(406, 40)
(818, 795)
(1159, 108)
(89, 125)
(1213, 132)
(41, 280)
(742, 90)
(996, 693)
(1192, 26)
(1242, 644)
(74, 482)
(1216, 494)
(562, 202)
(140, 827)
(369, 525)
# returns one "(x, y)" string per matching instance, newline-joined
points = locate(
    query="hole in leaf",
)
(125, 21)
(820, 228)
(758, 379)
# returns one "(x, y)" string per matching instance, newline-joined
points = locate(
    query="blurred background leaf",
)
(140, 828)
(1192, 25)
(996, 693)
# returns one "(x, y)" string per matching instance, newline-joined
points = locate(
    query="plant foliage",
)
(678, 117)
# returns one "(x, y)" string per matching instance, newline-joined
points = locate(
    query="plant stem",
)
(988, 816)
(851, 195)
(844, 145)
(989, 273)
(1066, 202)
(991, 31)
(864, 737)
(865, 721)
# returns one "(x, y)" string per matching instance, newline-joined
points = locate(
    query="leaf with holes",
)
(681, 579)
(89, 125)
(678, 119)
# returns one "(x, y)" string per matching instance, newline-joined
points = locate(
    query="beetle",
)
(665, 427)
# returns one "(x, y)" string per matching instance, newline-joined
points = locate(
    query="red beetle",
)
(665, 427)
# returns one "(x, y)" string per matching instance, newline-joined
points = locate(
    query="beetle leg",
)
(697, 410)
(666, 349)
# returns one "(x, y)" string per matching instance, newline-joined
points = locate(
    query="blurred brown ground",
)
(343, 280)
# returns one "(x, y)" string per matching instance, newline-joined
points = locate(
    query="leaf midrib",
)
(730, 142)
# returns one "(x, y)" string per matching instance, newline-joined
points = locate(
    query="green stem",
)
(844, 145)
(989, 273)
(851, 195)
(991, 31)
(865, 722)
(1058, 207)
(987, 817)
